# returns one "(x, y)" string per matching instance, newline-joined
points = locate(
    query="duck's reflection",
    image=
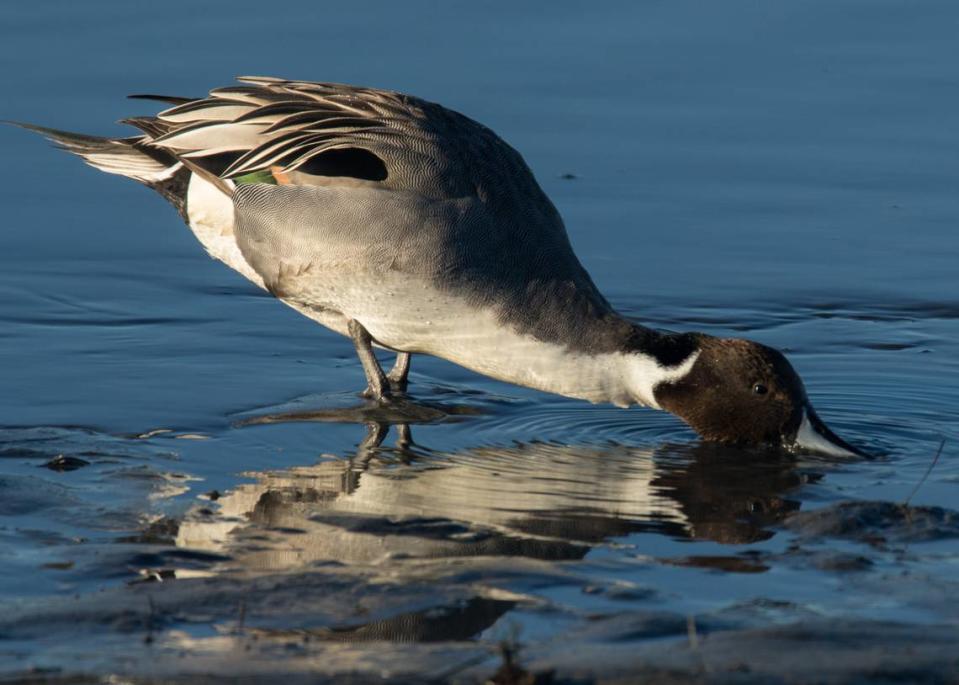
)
(537, 500)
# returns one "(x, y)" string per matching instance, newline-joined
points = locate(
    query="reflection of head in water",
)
(536, 500)
(729, 495)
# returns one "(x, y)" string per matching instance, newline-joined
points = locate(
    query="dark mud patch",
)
(810, 651)
(875, 523)
(745, 563)
(334, 598)
(344, 627)
(826, 560)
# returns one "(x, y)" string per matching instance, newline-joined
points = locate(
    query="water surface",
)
(786, 173)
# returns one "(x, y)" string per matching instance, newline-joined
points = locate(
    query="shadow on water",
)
(400, 411)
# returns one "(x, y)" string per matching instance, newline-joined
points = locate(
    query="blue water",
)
(786, 172)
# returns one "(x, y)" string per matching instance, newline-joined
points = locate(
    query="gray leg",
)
(365, 451)
(404, 443)
(404, 437)
(378, 388)
(398, 374)
(375, 434)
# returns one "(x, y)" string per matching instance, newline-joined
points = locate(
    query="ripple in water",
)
(575, 422)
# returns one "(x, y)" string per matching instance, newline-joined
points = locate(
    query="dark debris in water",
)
(59, 565)
(892, 346)
(876, 523)
(63, 462)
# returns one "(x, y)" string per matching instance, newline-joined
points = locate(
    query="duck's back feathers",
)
(336, 130)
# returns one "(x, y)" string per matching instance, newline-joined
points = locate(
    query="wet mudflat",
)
(191, 490)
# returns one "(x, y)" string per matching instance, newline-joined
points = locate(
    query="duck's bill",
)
(814, 436)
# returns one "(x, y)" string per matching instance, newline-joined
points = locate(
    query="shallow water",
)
(784, 173)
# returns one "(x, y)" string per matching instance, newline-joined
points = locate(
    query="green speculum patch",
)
(262, 176)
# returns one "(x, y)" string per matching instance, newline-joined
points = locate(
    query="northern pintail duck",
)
(402, 224)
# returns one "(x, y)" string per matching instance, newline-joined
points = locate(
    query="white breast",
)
(411, 315)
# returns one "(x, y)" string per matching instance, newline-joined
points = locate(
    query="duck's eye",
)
(760, 389)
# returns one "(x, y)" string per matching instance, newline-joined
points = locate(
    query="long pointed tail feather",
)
(123, 156)
(128, 157)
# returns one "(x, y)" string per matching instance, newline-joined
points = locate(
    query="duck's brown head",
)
(741, 392)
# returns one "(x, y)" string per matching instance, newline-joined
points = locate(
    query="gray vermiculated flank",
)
(460, 208)
(453, 244)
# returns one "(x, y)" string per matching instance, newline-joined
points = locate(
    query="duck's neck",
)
(617, 362)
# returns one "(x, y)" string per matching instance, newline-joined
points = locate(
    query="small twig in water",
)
(691, 632)
(510, 671)
(693, 636)
(148, 638)
(932, 465)
(241, 617)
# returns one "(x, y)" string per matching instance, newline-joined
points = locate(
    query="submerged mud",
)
(876, 522)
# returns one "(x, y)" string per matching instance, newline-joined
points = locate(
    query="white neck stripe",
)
(646, 373)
